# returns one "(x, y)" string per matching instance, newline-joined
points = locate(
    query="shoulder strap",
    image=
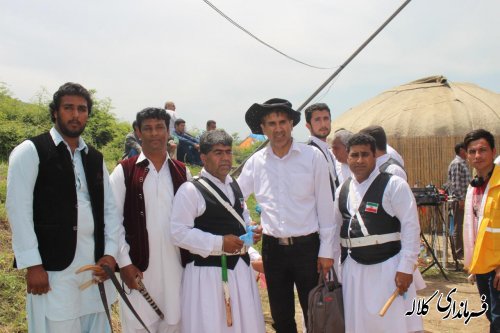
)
(223, 202)
(333, 184)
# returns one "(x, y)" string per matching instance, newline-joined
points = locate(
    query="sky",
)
(143, 53)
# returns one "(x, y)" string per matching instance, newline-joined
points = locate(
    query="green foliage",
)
(19, 121)
(240, 154)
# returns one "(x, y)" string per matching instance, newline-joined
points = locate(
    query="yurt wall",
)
(427, 158)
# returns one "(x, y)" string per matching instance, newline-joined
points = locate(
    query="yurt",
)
(424, 119)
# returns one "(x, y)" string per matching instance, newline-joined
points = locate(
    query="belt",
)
(241, 252)
(370, 240)
(287, 241)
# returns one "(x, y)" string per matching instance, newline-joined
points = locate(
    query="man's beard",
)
(321, 136)
(67, 132)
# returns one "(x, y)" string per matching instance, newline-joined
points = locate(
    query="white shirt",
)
(395, 155)
(173, 118)
(393, 169)
(188, 205)
(64, 301)
(294, 193)
(325, 148)
(397, 200)
(163, 276)
(343, 171)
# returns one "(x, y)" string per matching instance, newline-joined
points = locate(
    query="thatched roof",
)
(427, 107)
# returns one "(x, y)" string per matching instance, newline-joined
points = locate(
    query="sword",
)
(144, 292)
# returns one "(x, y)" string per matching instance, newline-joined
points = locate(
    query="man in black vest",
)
(379, 241)
(208, 218)
(144, 187)
(63, 217)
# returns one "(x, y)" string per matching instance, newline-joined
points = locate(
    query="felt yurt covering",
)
(424, 119)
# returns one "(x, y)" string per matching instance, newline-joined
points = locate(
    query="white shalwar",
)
(163, 276)
(203, 308)
(366, 288)
(64, 305)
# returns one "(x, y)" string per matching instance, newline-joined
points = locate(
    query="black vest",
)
(217, 220)
(55, 204)
(377, 223)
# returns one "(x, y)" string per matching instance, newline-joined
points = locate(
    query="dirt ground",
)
(433, 320)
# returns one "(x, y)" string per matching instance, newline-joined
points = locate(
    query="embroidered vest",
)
(134, 209)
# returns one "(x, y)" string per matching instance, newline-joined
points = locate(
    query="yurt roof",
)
(431, 106)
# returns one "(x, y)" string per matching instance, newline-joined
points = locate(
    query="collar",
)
(370, 178)
(57, 137)
(459, 158)
(215, 180)
(382, 159)
(143, 157)
(293, 148)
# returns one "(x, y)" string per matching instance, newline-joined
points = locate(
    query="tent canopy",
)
(430, 106)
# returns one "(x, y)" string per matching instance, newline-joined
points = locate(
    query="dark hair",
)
(361, 139)
(152, 113)
(459, 146)
(69, 89)
(211, 138)
(211, 122)
(315, 107)
(134, 125)
(277, 111)
(179, 121)
(479, 134)
(378, 133)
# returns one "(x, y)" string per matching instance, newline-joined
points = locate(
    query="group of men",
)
(185, 239)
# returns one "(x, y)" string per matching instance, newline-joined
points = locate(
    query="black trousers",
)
(286, 266)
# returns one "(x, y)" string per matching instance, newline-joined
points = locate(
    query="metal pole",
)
(237, 171)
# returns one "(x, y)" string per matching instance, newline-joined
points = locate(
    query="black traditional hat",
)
(255, 113)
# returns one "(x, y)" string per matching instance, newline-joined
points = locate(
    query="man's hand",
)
(461, 204)
(129, 275)
(258, 266)
(257, 234)
(403, 281)
(231, 243)
(496, 280)
(105, 260)
(37, 280)
(324, 265)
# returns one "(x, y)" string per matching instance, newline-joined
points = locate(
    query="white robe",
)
(163, 276)
(366, 288)
(203, 308)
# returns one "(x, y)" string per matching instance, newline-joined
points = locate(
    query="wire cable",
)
(260, 40)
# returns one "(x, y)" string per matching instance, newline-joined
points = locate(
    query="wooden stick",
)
(388, 303)
(87, 284)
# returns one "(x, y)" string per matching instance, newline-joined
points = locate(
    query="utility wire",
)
(258, 39)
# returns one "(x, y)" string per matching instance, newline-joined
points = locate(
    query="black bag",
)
(326, 306)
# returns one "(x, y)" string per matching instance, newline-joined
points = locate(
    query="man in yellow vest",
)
(482, 222)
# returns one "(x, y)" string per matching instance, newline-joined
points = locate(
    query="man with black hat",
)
(291, 184)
